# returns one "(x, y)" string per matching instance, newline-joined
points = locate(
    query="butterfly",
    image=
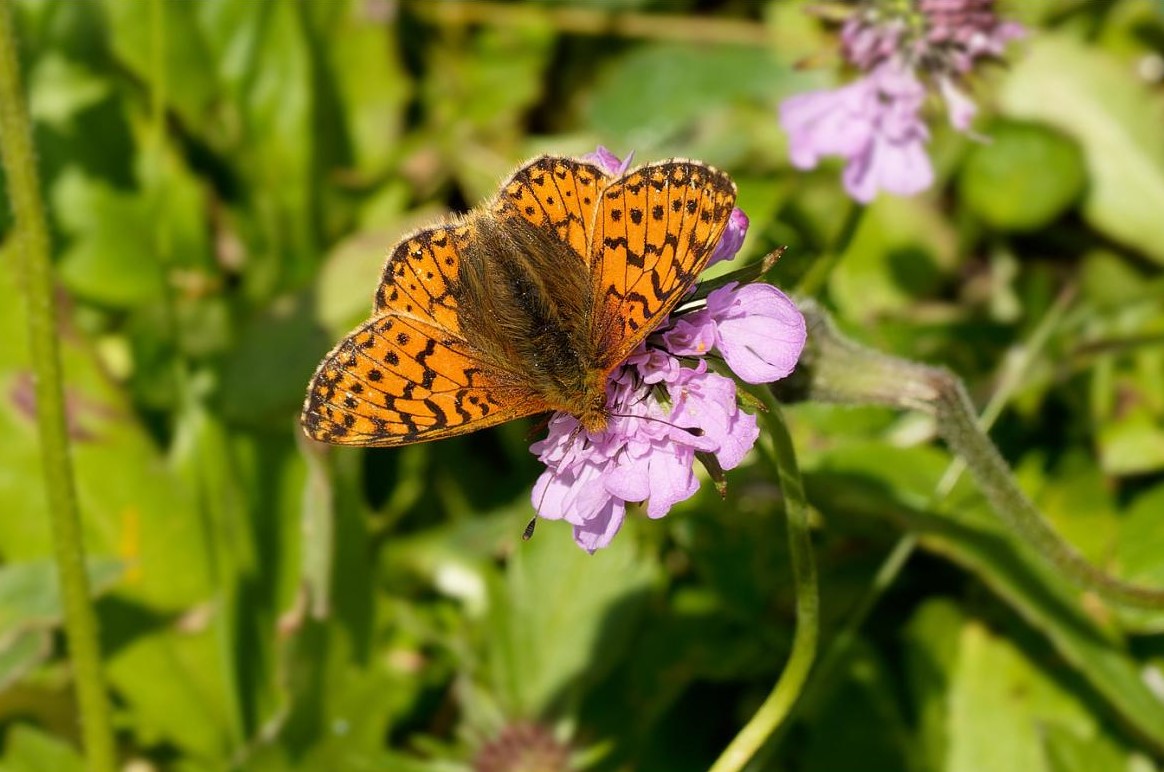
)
(524, 305)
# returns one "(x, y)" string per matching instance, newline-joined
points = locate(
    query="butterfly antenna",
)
(694, 431)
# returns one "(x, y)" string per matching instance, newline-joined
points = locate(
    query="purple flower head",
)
(875, 123)
(666, 406)
(959, 32)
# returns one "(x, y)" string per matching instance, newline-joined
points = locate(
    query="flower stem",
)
(1017, 366)
(581, 20)
(32, 239)
(782, 457)
(837, 369)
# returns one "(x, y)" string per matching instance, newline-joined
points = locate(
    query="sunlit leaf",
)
(1099, 104)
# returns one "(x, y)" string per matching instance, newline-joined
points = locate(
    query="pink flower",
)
(590, 478)
(874, 124)
(959, 106)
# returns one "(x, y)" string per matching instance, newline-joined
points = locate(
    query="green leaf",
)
(123, 245)
(163, 44)
(132, 505)
(1066, 751)
(21, 652)
(30, 594)
(264, 59)
(111, 259)
(1075, 497)
(896, 483)
(1023, 178)
(371, 86)
(1138, 550)
(878, 740)
(1094, 99)
(28, 749)
(999, 703)
(61, 88)
(932, 638)
(560, 617)
(900, 251)
(657, 90)
(265, 377)
(173, 682)
(1132, 443)
(478, 90)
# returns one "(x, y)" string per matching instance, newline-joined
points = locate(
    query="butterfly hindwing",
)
(556, 194)
(397, 380)
(654, 231)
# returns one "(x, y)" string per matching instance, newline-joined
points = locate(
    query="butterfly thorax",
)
(526, 302)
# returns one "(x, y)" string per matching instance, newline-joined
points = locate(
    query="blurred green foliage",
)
(225, 178)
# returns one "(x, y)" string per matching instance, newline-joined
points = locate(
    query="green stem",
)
(776, 708)
(817, 276)
(960, 431)
(580, 20)
(837, 369)
(1017, 366)
(32, 238)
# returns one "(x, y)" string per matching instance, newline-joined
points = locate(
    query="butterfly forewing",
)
(422, 273)
(396, 380)
(559, 194)
(654, 231)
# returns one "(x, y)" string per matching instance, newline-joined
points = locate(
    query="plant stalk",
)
(32, 241)
(836, 369)
(1012, 378)
(778, 705)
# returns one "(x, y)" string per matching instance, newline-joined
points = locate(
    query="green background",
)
(225, 178)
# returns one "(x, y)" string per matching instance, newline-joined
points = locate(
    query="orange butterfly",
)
(522, 306)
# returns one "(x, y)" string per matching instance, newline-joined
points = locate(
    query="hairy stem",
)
(778, 452)
(32, 239)
(837, 369)
(1012, 376)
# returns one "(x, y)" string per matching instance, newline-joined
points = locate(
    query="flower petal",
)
(692, 334)
(761, 331)
(732, 238)
(599, 531)
(835, 122)
(608, 161)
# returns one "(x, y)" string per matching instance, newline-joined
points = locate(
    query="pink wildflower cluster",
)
(875, 122)
(591, 477)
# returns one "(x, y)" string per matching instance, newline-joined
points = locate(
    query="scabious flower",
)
(905, 49)
(591, 477)
(523, 746)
